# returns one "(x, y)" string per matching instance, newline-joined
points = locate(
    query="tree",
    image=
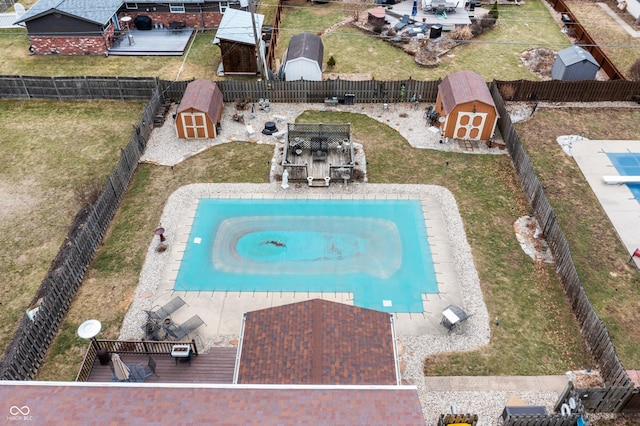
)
(634, 71)
(494, 11)
(331, 62)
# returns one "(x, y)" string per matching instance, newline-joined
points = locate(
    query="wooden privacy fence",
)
(592, 328)
(273, 37)
(569, 91)
(30, 343)
(367, 91)
(586, 42)
(60, 88)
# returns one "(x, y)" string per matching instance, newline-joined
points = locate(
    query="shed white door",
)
(194, 125)
(469, 125)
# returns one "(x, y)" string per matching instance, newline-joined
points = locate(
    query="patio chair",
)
(188, 327)
(150, 368)
(166, 310)
(402, 23)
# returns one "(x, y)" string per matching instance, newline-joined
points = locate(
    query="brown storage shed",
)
(465, 107)
(200, 110)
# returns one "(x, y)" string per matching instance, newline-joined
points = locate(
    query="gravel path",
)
(165, 149)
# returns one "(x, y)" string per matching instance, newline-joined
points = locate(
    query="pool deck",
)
(617, 201)
(222, 311)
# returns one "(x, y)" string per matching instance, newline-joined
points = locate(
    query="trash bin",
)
(435, 31)
(349, 99)
(103, 356)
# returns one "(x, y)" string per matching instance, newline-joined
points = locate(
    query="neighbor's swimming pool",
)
(376, 249)
(627, 164)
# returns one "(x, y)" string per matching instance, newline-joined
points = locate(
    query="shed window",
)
(223, 6)
(176, 7)
(131, 6)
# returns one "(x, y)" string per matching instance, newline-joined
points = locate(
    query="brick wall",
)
(68, 45)
(193, 20)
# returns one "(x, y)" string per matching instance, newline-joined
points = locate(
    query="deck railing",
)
(135, 347)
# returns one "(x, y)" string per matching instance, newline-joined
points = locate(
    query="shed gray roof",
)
(236, 25)
(306, 45)
(576, 54)
(89, 10)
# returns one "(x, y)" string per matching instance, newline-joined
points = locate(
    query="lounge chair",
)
(402, 23)
(183, 330)
(422, 29)
(165, 311)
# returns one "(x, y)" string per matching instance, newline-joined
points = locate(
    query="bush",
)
(462, 33)
(634, 71)
(87, 193)
(331, 62)
(493, 12)
(481, 25)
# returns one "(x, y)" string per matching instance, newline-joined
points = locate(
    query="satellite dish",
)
(441, 119)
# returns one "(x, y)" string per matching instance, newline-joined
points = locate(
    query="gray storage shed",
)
(303, 59)
(573, 64)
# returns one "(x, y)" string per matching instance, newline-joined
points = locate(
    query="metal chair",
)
(183, 330)
(166, 310)
(150, 368)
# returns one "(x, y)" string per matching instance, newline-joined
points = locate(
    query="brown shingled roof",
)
(462, 87)
(49, 403)
(317, 342)
(205, 96)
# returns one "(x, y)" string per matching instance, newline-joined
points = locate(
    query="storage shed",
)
(465, 107)
(200, 110)
(574, 64)
(237, 42)
(303, 60)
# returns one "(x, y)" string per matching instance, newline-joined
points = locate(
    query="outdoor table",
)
(452, 316)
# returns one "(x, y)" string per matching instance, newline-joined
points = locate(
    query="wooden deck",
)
(216, 366)
(319, 169)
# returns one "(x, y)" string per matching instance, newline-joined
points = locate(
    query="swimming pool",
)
(376, 249)
(627, 164)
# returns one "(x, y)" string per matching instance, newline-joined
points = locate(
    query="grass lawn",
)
(618, 45)
(494, 55)
(49, 149)
(519, 293)
(611, 284)
(202, 61)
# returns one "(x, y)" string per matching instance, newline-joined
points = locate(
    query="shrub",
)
(634, 71)
(493, 12)
(331, 62)
(462, 33)
(87, 193)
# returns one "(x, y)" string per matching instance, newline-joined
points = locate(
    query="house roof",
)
(236, 25)
(462, 87)
(126, 403)
(306, 45)
(202, 95)
(576, 54)
(317, 342)
(88, 10)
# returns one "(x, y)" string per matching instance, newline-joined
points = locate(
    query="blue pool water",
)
(376, 249)
(628, 164)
